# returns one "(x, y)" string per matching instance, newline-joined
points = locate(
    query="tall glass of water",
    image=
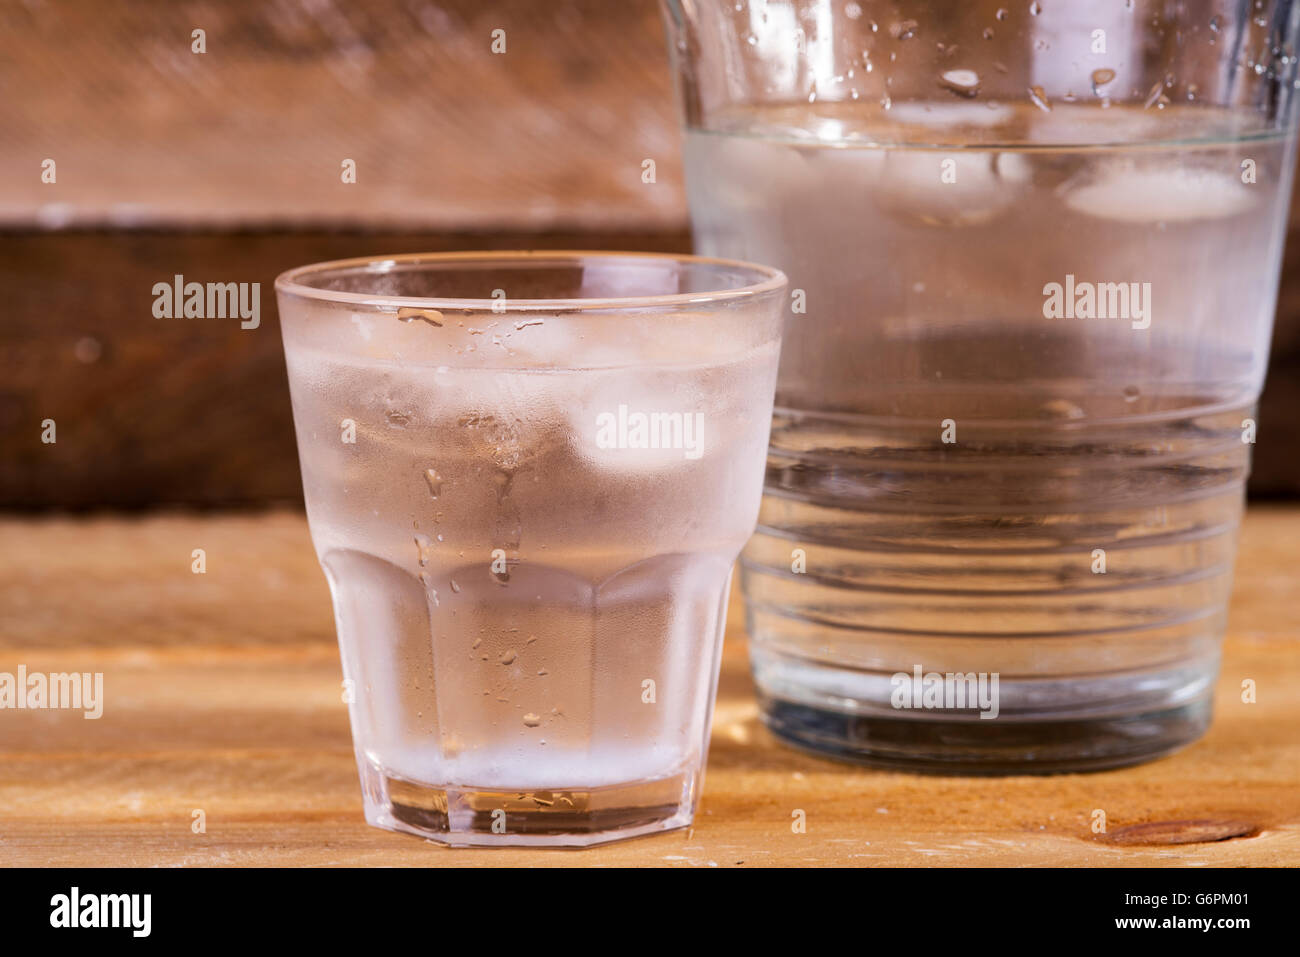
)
(1033, 252)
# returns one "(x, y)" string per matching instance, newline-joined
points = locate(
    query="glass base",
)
(974, 747)
(462, 816)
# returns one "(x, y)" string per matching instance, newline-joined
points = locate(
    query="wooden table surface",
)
(222, 695)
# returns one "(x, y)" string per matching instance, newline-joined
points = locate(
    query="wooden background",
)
(224, 166)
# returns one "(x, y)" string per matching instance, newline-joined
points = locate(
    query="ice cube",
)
(1150, 192)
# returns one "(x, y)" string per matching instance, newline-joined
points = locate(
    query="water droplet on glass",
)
(531, 720)
(903, 29)
(988, 33)
(1061, 409)
(1002, 13)
(1035, 8)
(1132, 393)
(1214, 24)
(454, 587)
(398, 420)
(432, 316)
(434, 481)
(1039, 98)
(962, 82)
(1100, 78)
(508, 658)
(423, 548)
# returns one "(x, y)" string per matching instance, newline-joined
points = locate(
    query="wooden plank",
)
(196, 412)
(222, 695)
(444, 133)
(153, 411)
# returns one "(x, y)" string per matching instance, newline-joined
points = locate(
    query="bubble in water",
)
(434, 481)
(962, 82)
(531, 720)
(432, 316)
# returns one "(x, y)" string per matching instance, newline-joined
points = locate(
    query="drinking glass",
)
(528, 476)
(1033, 252)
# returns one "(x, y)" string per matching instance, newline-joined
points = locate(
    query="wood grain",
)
(444, 133)
(222, 695)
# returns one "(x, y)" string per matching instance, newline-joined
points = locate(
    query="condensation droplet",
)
(1061, 409)
(903, 29)
(1101, 77)
(962, 82)
(432, 316)
(1038, 97)
(434, 481)
(508, 657)
(1132, 393)
(531, 720)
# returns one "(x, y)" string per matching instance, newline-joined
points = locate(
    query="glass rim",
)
(767, 279)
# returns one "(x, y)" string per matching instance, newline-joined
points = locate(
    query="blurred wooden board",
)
(444, 132)
(157, 412)
(223, 695)
(226, 166)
